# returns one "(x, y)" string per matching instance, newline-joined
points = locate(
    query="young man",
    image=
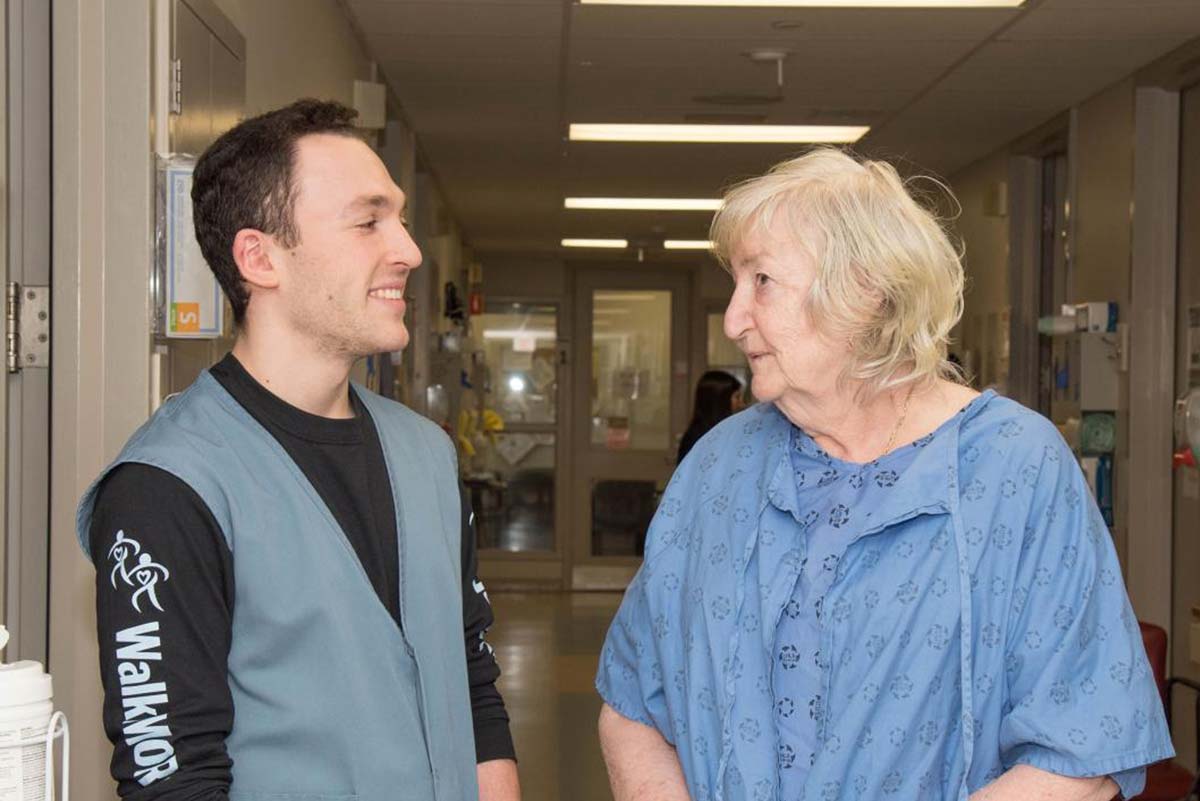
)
(285, 582)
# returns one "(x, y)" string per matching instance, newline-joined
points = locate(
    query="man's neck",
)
(305, 377)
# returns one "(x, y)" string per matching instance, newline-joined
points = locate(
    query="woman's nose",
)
(737, 315)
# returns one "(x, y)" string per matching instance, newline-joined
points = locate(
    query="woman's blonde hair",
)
(889, 280)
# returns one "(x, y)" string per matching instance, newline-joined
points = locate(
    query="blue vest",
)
(331, 699)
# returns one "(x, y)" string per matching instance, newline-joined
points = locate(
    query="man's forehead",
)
(344, 171)
(319, 150)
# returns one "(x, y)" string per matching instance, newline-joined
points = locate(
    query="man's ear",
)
(252, 254)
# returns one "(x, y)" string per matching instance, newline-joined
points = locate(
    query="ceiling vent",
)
(775, 57)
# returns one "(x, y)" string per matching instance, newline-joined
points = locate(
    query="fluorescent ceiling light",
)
(815, 3)
(517, 333)
(625, 296)
(687, 244)
(619, 132)
(595, 243)
(644, 203)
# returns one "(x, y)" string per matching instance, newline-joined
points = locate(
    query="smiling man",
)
(286, 588)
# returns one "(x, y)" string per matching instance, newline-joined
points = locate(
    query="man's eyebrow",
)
(365, 203)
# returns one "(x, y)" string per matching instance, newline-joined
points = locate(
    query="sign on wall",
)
(190, 305)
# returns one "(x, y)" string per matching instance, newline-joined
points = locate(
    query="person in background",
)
(876, 583)
(285, 566)
(718, 395)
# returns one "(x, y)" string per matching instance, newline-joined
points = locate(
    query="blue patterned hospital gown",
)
(972, 617)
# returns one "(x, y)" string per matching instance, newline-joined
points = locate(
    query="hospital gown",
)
(974, 618)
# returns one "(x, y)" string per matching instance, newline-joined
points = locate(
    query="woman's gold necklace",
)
(899, 424)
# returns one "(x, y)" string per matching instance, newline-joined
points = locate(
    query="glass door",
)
(508, 431)
(630, 382)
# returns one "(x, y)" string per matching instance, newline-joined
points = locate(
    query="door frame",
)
(582, 570)
(27, 393)
(1152, 352)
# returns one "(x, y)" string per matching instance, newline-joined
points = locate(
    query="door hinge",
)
(27, 327)
(176, 86)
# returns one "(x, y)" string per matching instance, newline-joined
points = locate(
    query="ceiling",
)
(490, 85)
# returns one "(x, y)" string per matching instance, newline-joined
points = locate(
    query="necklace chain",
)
(899, 424)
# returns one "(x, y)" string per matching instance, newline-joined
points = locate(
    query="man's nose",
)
(404, 248)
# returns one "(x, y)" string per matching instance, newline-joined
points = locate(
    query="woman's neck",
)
(854, 429)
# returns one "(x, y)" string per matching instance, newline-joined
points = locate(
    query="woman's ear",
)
(252, 254)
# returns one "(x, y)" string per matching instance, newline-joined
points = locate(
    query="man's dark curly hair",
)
(245, 180)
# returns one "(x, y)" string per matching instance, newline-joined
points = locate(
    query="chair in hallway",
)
(1168, 780)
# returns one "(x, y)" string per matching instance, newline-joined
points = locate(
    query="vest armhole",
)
(209, 493)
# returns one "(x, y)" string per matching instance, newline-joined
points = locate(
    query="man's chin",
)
(394, 341)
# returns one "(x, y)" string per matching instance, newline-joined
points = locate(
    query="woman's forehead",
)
(768, 242)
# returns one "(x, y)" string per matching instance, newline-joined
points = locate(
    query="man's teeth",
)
(388, 294)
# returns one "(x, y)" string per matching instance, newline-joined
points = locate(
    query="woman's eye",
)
(369, 225)
(761, 279)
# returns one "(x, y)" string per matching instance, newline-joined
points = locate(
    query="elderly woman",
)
(876, 583)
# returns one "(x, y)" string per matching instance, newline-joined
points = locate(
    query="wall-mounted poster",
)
(190, 305)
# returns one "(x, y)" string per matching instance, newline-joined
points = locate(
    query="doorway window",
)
(508, 428)
(631, 369)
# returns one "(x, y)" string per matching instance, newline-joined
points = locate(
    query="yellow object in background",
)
(492, 422)
(469, 432)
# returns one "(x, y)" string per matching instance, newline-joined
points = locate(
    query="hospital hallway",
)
(547, 645)
(544, 267)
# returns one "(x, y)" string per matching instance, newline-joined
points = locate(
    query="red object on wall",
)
(475, 302)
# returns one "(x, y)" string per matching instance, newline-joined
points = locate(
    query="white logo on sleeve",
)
(136, 569)
(481, 590)
(144, 703)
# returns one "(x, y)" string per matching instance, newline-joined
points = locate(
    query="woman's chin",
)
(764, 389)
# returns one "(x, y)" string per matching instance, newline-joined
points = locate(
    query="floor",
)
(522, 529)
(514, 516)
(548, 645)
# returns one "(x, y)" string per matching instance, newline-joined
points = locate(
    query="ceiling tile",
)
(1118, 24)
(814, 23)
(448, 18)
(447, 73)
(477, 48)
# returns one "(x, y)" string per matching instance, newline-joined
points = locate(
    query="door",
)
(630, 405)
(1186, 547)
(510, 436)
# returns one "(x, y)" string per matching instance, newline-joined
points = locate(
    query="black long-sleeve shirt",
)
(343, 459)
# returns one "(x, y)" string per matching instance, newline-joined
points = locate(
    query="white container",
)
(1056, 325)
(25, 711)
